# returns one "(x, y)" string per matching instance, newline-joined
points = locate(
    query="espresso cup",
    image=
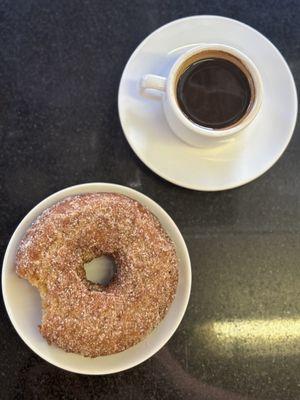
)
(189, 130)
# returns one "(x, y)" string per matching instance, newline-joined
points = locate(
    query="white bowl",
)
(23, 304)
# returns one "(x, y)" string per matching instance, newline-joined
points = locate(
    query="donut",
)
(88, 318)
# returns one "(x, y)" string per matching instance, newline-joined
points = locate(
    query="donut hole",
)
(100, 270)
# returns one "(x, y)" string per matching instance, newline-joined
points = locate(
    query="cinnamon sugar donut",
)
(87, 318)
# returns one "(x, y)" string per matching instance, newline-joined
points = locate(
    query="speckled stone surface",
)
(60, 66)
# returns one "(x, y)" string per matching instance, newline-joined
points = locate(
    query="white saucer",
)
(23, 303)
(249, 154)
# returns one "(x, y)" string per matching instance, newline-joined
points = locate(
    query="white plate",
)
(23, 305)
(233, 164)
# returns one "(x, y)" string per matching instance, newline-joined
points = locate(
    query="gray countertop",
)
(60, 66)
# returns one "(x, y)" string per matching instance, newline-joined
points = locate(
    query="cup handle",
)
(156, 82)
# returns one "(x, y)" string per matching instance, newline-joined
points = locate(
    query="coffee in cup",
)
(214, 89)
(212, 92)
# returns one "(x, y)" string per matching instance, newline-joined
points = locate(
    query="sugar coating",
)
(78, 315)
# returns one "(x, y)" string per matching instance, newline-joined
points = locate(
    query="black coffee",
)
(214, 93)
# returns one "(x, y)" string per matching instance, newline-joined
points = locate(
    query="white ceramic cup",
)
(181, 125)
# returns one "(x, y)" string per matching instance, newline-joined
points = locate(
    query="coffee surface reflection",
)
(214, 93)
